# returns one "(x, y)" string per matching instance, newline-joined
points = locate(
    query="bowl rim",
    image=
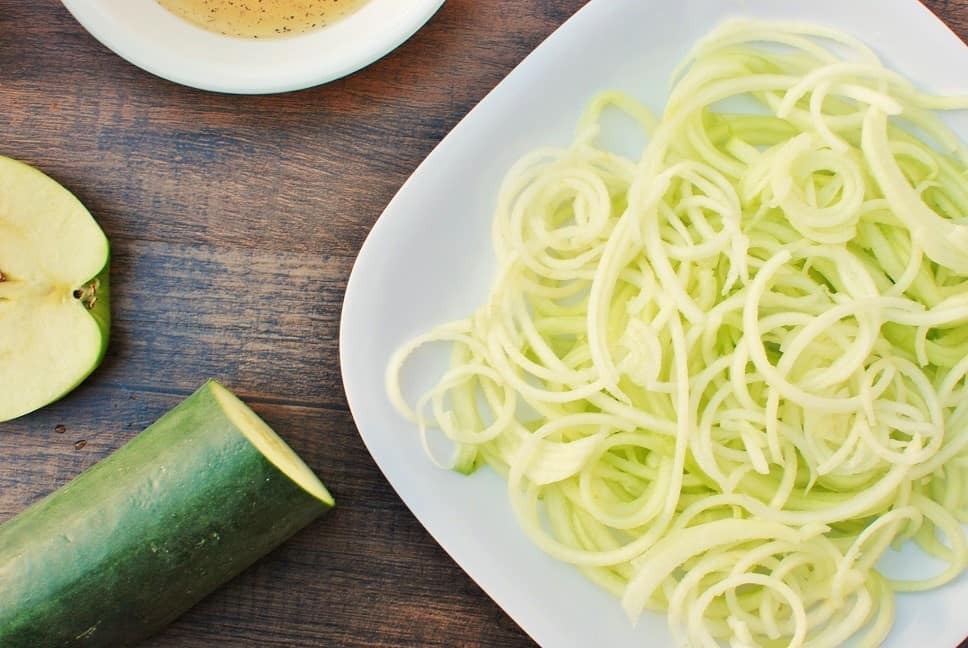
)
(359, 47)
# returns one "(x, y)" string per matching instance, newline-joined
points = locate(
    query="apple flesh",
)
(55, 313)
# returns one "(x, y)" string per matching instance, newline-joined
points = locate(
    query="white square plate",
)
(429, 260)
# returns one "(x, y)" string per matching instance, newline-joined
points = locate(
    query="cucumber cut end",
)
(270, 444)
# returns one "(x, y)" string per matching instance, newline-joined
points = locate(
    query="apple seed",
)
(88, 294)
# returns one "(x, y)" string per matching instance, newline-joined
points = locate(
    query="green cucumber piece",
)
(130, 544)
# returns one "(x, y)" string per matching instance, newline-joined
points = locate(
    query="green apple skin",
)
(32, 204)
(100, 311)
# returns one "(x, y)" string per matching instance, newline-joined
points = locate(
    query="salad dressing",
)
(261, 18)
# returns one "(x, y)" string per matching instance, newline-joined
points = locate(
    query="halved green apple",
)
(55, 313)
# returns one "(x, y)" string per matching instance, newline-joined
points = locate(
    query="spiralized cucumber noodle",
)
(723, 380)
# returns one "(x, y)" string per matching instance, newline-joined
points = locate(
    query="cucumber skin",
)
(130, 544)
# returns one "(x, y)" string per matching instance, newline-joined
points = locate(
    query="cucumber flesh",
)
(269, 444)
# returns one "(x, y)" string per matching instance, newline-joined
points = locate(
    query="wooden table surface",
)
(234, 223)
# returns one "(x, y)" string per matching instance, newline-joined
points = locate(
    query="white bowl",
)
(149, 36)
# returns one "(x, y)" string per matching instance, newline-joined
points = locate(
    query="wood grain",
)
(234, 222)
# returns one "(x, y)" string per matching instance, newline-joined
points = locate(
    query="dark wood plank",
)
(953, 12)
(221, 311)
(235, 221)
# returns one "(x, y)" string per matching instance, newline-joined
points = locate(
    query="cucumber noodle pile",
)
(732, 373)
